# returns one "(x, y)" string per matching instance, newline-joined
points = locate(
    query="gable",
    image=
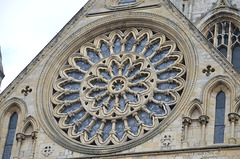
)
(116, 78)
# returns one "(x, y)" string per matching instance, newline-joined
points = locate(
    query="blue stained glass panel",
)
(93, 56)
(135, 70)
(94, 129)
(133, 124)
(138, 88)
(236, 57)
(129, 44)
(164, 65)
(159, 55)
(223, 50)
(115, 69)
(72, 107)
(145, 118)
(167, 75)
(77, 117)
(120, 129)
(219, 118)
(121, 103)
(153, 107)
(151, 50)
(70, 97)
(83, 65)
(84, 124)
(105, 50)
(162, 97)
(71, 86)
(105, 74)
(164, 86)
(111, 103)
(141, 45)
(10, 136)
(76, 75)
(126, 67)
(117, 46)
(131, 97)
(106, 130)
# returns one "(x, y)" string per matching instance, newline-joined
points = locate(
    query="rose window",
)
(118, 86)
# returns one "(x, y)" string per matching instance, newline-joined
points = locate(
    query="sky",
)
(26, 27)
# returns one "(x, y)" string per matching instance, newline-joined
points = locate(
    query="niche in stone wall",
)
(27, 144)
(194, 130)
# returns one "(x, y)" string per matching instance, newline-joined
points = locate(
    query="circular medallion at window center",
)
(117, 84)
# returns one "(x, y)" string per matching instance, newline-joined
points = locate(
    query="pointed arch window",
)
(220, 118)
(10, 136)
(225, 36)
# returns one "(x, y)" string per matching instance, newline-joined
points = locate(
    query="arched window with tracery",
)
(10, 136)
(225, 36)
(219, 118)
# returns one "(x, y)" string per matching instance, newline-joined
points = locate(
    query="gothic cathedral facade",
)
(131, 79)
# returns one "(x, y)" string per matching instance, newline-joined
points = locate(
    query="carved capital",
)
(203, 119)
(20, 137)
(34, 135)
(186, 121)
(233, 117)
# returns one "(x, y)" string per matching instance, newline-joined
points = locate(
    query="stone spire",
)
(1, 68)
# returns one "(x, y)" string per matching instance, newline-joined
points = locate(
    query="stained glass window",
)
(225, 36)
(10, 136)
(219, 118)
(121, 89)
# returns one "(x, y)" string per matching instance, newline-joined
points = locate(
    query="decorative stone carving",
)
(208, 70)
(26, 90)
(122, 4)
(233, 118)
(203, 119)
(167, 140)
(118, 87)
(47, 150)
(186, 122)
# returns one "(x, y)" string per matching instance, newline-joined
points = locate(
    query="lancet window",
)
(10, 136)
(219, 118)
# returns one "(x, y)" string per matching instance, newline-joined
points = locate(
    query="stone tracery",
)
(119, 86)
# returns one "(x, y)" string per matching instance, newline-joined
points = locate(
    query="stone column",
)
(19, 137)
(233, 118)
(186, 122)
(34, 139)
(203, 119)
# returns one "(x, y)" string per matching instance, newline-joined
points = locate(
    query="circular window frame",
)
(98, 27)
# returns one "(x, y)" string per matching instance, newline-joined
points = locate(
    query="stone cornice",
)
(168, 152)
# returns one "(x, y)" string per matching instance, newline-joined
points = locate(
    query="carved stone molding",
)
(20, 137)
(203, 119)
(186, 121)
(119, 4)
(233, 117)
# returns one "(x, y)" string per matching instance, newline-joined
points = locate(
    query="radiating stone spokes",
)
(118, 86)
